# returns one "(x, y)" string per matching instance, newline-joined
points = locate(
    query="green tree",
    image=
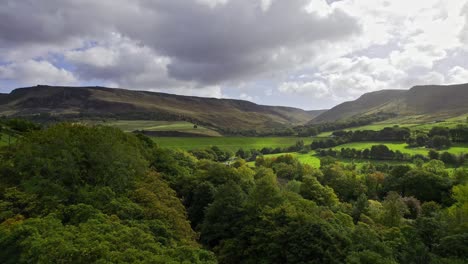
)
(394, 208)
(311, 189)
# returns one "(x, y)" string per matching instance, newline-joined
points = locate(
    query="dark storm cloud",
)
(231, 40)
(206, 44)
(51, 21)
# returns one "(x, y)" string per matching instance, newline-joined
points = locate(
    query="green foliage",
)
(311, 189)
(100, 238)
(394, 208)
(82, 194)
(66, 157)
(345, 182)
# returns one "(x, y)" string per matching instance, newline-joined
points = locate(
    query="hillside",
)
(223, 114)
(429, 102)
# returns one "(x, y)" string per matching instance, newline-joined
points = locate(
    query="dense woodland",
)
(82, 194)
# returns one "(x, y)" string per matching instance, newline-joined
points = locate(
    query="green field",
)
(412, 124)
(149, 125)
(313, 160)
(5, 139)
(228, 143)
(403, 147)
(309, 158)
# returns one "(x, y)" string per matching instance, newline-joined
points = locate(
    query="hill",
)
(429, 103)
(221, 114)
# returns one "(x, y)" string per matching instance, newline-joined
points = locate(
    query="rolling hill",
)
(221, 114)
(429, 103)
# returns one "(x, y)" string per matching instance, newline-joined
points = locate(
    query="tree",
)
(381, 152)
(311, 189)
(421, 140)
(458, 212)
(361, 206)
(223, 217)
(448, 158)
(394, 208)
(203, 195)
(433, 154)
(414, 207)
(439, 131)
(345, 182)
(425, 185)
(374, 183)
(440, 142)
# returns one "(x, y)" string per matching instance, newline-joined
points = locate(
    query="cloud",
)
(122, 62)
(240, 39)
(307, 53)
(207, 41)
(315, 88)
(33, 72)
(245, 96)
(458, 75)
(347, 78)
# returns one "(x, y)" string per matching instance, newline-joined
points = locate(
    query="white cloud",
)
(314, 88)
(417, 56)
(33, 72)
(458, 75)
(347, 78)
(245, 96)
(212, 3)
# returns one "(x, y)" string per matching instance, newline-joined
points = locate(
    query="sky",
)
(311, 54)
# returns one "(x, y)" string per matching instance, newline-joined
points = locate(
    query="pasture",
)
(402, 147)
(228, 143)
(412, 124)
(314, 160)
(149, 125)
(310, 158)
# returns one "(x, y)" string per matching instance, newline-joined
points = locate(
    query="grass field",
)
(313, 160)
(229, 143)
(403, 147)
(309, 158)
(148, 125)
(410, 123)
(5, 140)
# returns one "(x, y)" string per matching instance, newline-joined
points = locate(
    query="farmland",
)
(229, 143)
(412, 124)
(402, 147)
(152, 126)
(309, 158)
(313, 159)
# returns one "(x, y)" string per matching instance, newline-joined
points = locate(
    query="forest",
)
(76, 193)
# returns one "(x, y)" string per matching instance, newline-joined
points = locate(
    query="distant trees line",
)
(324, 148)
(18, 125)
(308, 130)
(382, 152)
(315, 129)
(214, 153)
(437, 138)
(341, 137)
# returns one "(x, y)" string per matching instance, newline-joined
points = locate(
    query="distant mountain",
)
(222, 114)
(430, 102)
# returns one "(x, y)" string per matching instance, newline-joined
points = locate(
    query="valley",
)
(203, 185)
